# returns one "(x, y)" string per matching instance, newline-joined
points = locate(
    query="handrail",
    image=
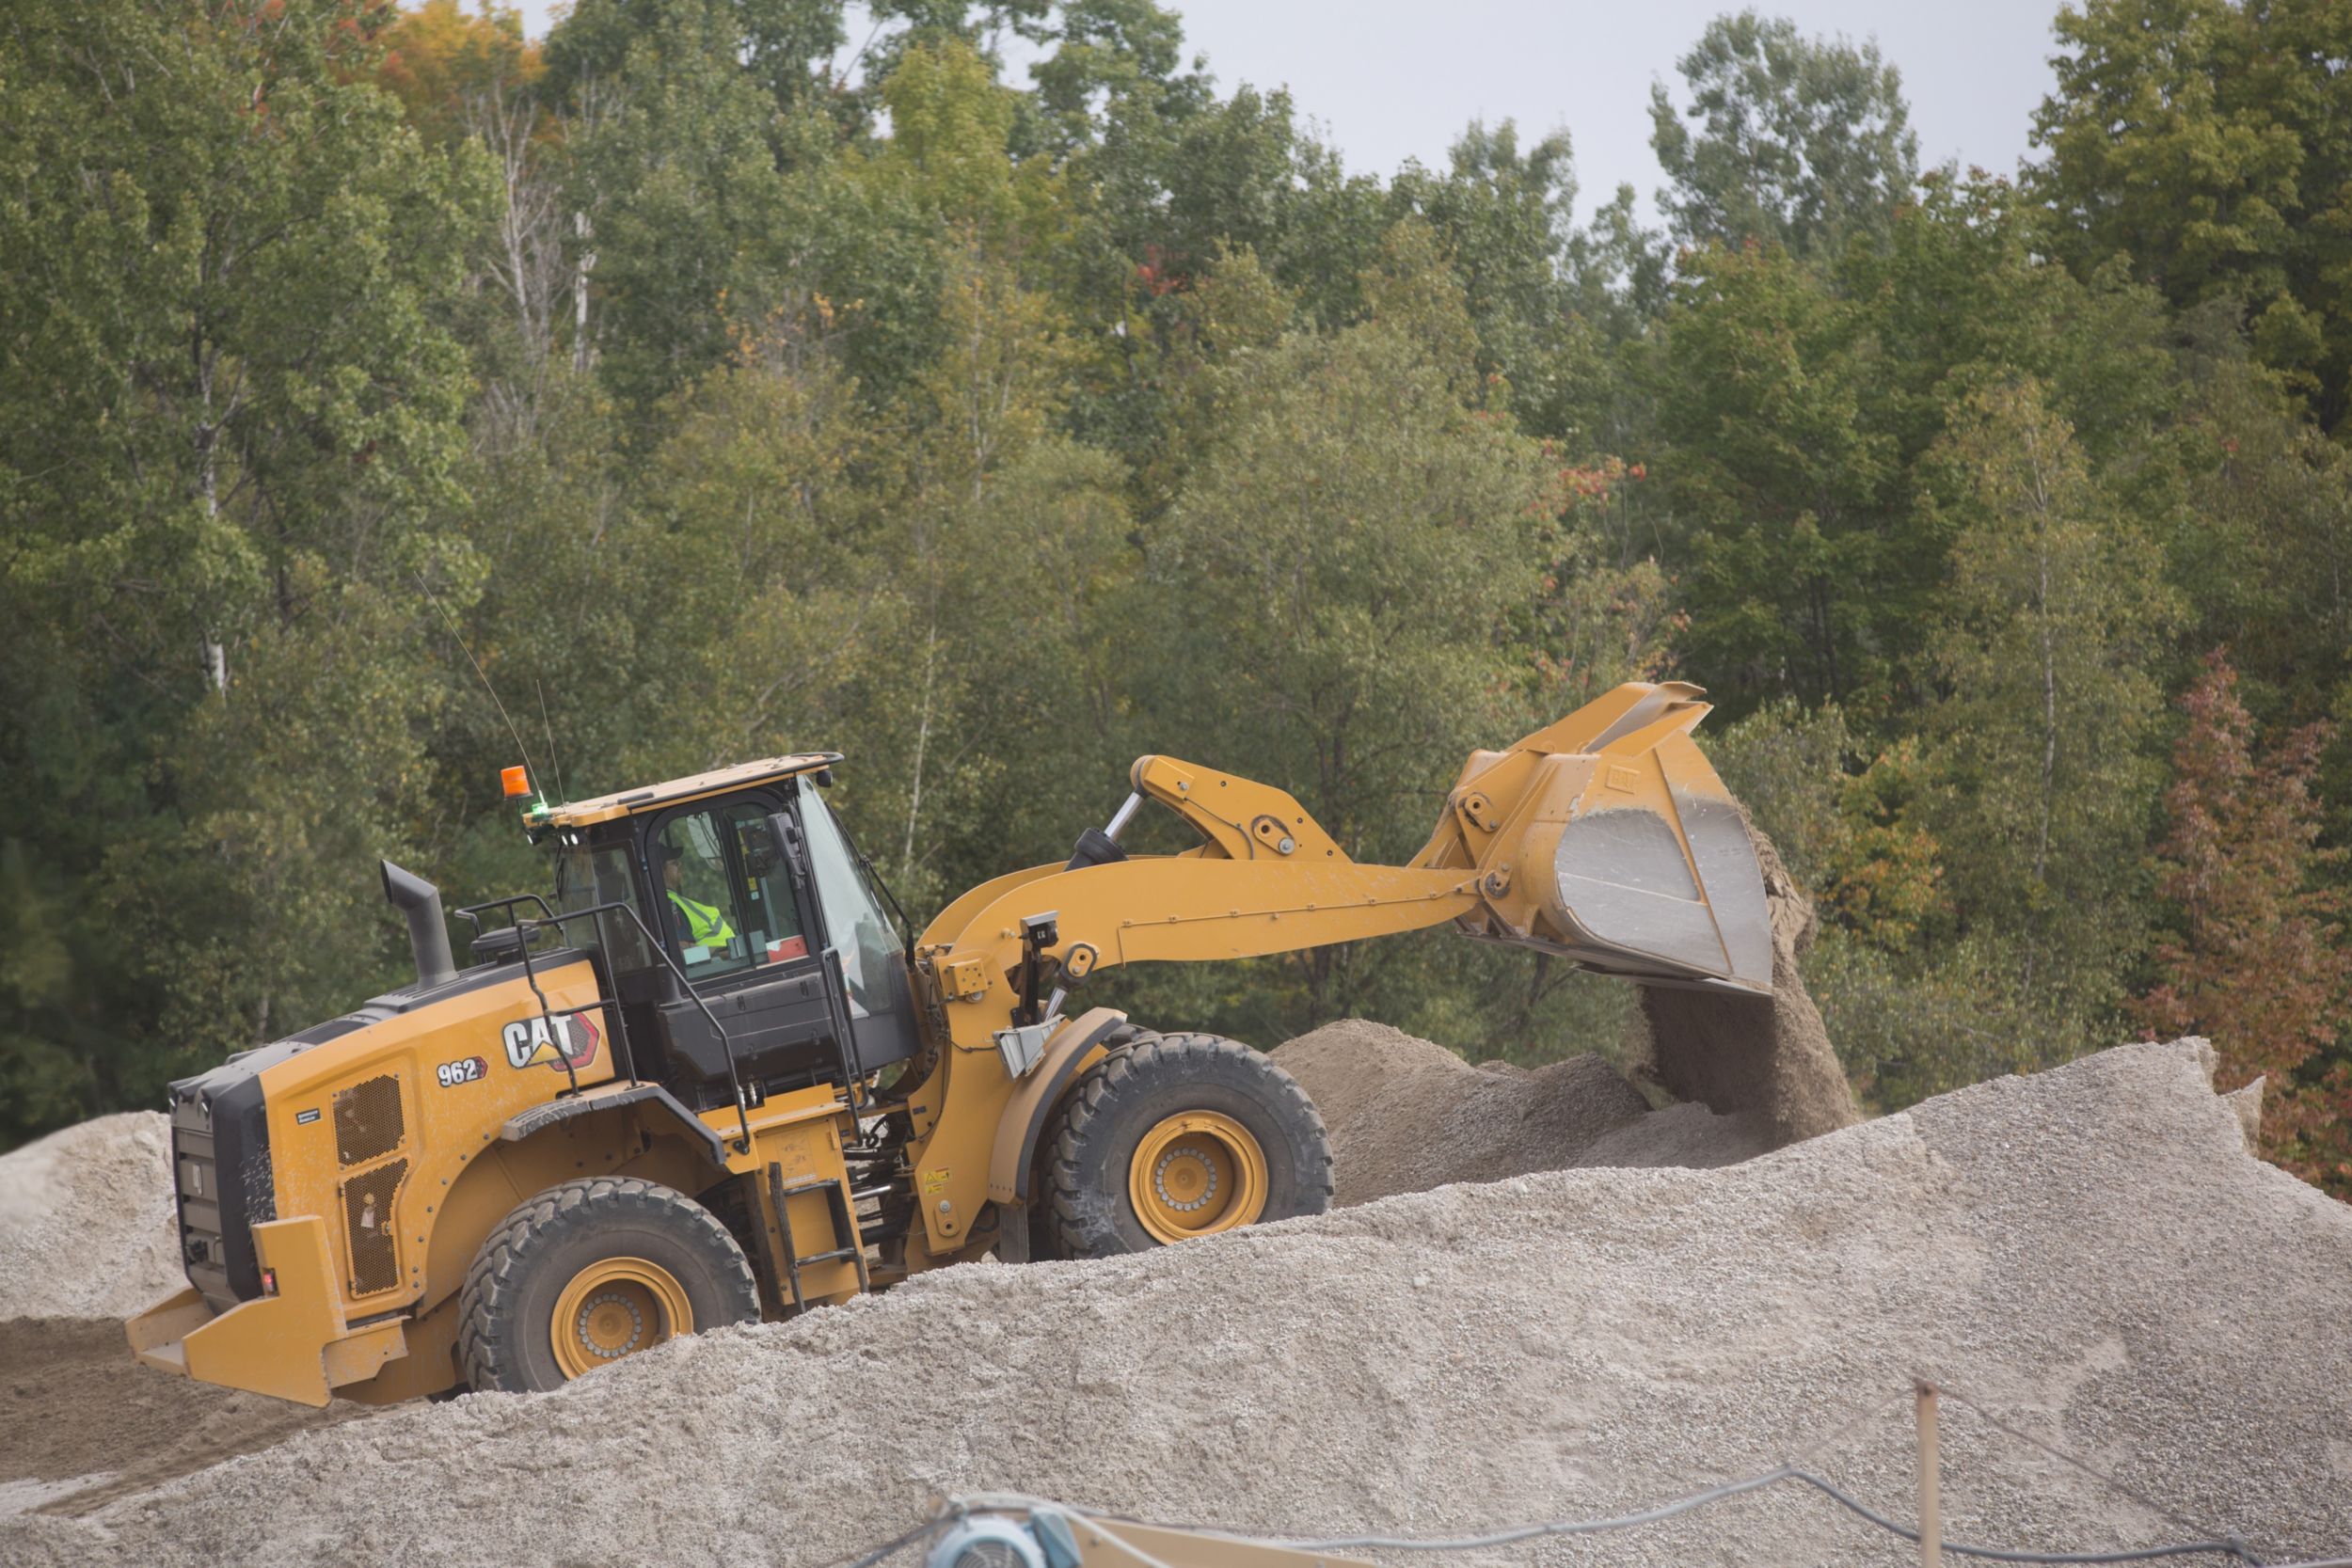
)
(471, 913)
(726, 1042)
(838, 1007)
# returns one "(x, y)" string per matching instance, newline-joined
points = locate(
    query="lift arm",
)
(1604, 837)
(1266, 878)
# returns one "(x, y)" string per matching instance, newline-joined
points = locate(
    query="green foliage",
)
(231, 420)
(678, 162)
(1335, 587)
(2055, 617)
(1763, 381)
(2204, 145)
(720, 388)
(1800, 142)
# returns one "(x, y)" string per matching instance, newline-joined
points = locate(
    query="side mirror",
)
(786, 836)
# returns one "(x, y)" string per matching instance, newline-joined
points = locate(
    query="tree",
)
(1768, 447)
(677, 172)
(1114, 69)
(439, 61)
(784, 46)
(2264, 545)
(1329, 601)
(2056, 609)
(2256, 959)
(230, 418)
(1505, 216)
(1801, 142)
(2203, 145)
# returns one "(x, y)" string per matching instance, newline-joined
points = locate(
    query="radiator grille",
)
(367, 1119)
(368, 1227)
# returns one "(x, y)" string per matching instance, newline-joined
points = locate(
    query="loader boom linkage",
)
(1605, 837)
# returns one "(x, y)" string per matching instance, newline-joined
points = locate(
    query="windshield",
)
(854, 918)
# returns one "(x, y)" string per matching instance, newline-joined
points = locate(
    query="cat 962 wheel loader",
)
(707, 1079)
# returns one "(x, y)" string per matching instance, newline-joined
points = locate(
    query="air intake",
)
(368, 1121)
(368, 1228)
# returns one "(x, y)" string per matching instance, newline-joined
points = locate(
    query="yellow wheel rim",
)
(1196, 1174)
(614, 1308)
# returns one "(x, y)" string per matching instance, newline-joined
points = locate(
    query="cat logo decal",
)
(572, 1044)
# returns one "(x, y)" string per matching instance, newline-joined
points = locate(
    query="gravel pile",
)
(1405, 1114)
(2090, 1251)
(87, 1228)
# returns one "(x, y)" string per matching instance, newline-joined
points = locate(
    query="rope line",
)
(1729, 1489)
(1813, 1451)
(1671, 1509)
(2065, 1458)
(2229, 1547)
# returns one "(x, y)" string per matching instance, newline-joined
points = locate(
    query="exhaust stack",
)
(419, 902)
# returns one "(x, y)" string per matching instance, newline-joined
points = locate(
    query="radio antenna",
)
(553, 760)
(458, 637)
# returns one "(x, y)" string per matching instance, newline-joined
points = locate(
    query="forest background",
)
(723, 387)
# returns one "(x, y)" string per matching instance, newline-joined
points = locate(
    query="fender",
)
(1076, 1046)
(653, 1096)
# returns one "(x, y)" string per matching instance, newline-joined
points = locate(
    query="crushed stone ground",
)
(2090, 1250)
(86, 1423)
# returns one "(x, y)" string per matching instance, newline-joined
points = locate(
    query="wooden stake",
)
(1930, 1504)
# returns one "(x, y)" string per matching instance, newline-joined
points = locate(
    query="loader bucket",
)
(1607, 838)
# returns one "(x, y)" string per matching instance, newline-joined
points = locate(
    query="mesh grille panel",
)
(368, 1224)
(367, 1119)
(990, 1554)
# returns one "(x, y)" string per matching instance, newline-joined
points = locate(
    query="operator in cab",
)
(705, 923)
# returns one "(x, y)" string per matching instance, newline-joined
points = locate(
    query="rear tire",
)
(1176, 1136)
(625, 1264)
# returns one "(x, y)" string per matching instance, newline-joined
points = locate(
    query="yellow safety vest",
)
(705, 924)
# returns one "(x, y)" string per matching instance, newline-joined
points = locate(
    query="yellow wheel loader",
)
(707, 1079)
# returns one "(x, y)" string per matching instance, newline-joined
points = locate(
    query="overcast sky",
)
(1395, 79)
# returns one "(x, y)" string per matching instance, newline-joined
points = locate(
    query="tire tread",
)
(487, 1355)
(1186, 1057)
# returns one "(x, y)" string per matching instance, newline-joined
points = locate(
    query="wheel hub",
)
(1186, 1178)
(613, 1308)
(1194, 1174)
(611, 1325)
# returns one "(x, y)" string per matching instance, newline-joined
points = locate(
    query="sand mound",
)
(88, 1227)
(1405, 1114)
(1736, 1054)
(2090, 1250)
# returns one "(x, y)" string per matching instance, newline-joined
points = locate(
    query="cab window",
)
(586, 878)
(854, 917)
(727, 900)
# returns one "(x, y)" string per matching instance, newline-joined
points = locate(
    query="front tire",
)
(1178, 1136)
(591, 1272)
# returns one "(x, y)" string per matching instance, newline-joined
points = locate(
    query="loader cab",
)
(756, 949)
